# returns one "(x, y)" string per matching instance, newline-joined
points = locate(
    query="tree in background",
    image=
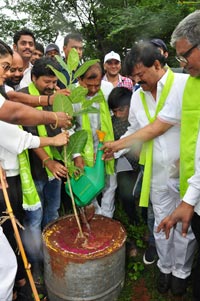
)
(104, 24)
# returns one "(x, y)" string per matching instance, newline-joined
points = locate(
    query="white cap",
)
(112, 56)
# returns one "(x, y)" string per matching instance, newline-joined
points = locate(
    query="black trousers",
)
(125, 184)
(196, 277)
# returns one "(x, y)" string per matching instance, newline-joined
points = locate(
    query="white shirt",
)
(166, 150)
(2, 100)
(13, 141)
(171, 113)
(26, 80)
(8, 88)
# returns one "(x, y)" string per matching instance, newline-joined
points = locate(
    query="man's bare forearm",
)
(18, 113)
(31, 100)
(146, 133)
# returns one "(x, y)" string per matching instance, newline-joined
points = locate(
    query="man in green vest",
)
(159, 85)
(186, 40)
(185, 108)
(100, 90)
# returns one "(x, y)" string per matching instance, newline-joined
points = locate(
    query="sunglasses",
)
(183, 57)
(5, 66)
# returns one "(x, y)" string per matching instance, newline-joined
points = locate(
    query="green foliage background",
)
(104, 24)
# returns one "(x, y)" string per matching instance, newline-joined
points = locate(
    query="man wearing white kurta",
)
(149, 70)
(94, 86)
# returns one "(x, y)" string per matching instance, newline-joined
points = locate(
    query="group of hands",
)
(183, 213)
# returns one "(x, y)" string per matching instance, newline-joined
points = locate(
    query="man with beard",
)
(46, 171)
(24, 44)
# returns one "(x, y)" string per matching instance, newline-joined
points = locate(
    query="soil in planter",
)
(105, 236)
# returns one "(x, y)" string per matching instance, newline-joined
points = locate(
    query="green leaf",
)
(87, 103)
(72, 60)
(61, 62)
(78, 94)
(62, 103)
(59, 75)
(88, 110)
(76, 143)
(56, 154)
(98, 98)
(71, 87)
(84, 67)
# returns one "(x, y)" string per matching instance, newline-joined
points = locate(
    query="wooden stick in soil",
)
(71, 193)
(74, 207)
(18, 238)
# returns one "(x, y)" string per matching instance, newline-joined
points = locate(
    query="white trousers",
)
(107, 207)
(175, 253)
(8, 268)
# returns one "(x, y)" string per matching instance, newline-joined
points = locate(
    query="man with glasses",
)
(186, 39)
(185, 108)
(112, 67)
(182, 58)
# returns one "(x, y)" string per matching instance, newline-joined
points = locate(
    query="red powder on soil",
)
(105, 235)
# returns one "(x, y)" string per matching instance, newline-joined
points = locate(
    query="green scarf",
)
(146, 156)
(190, 122)
(106, 126)
(42, 132)
(31, 200)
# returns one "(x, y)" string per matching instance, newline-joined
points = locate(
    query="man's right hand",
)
(183, 213)
(109, 148)
(64, 120)
(79, 162)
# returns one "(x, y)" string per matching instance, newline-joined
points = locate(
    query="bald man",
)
(15, 74)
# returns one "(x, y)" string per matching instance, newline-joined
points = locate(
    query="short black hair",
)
(143, 52)
(73, 36)
(39, 46)
(40, 68)
(5, 49)
(119, 97)
(23, 32)
(96, 69)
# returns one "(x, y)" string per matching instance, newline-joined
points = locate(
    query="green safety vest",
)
(146, 156)
(106, 126)
(190, 122)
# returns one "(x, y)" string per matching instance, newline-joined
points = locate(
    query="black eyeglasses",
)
(5, 66)
(183, 57)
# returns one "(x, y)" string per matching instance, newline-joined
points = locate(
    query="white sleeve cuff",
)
(192, 196)
(76, 155)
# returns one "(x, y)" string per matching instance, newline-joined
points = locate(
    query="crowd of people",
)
(151, 119)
